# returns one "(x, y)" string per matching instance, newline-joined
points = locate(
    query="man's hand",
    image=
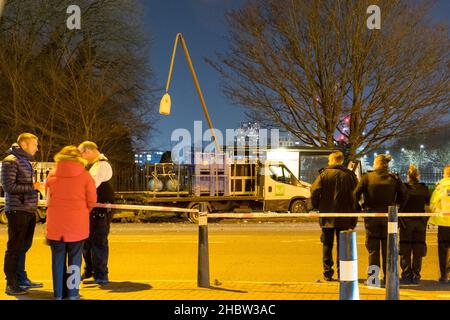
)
(37, 186)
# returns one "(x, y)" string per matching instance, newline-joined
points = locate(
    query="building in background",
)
(148, 157)
(248, 133)
(287, 139)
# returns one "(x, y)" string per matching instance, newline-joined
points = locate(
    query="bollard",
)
(203, 254)
(348, 266)
(392, 281)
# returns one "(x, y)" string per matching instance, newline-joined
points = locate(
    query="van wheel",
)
(298, 206)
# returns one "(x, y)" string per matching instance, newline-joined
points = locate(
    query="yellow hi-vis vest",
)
(440, 202)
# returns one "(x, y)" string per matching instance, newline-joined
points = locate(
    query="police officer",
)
(440, 202)
(96, 249)
(413, 229)
(380, 189)
(332, 192)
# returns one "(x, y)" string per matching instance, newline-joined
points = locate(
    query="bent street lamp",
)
(164, 106)
(2, 5)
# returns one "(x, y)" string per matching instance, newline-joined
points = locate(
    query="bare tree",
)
(308, 66)
(72, 85)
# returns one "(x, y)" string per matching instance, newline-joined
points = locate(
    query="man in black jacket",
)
(21, 200)
(332, 192)
(380, 189)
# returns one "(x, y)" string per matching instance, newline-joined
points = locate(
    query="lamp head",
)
(164, 105)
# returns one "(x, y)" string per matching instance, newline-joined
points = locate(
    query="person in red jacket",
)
(71, 194)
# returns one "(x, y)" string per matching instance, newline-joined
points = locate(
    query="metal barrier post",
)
(392, 281)
(348, 266)
(203, 254)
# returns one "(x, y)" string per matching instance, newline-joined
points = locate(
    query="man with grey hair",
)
(332, 192)
(96, 248)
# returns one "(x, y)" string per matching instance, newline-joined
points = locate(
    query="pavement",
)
(248, 261)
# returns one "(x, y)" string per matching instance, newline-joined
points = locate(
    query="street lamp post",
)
(164, 107)
(2, 5)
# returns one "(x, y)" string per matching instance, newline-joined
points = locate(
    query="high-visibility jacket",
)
(440, 202)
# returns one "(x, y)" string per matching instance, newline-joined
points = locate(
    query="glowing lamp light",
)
(164, 105)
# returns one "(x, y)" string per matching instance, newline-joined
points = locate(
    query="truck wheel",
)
(193, 216)
(298, 206)
(3, 218)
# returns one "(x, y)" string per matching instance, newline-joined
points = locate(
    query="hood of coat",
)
(17, 151)
(444, 182)
(336, 166)
(381, 172)
(69, 168)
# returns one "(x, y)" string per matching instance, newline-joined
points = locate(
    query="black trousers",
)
(96, 249)
(412, 246)
(443, 247)
(327, 239)
(20, 235)
(376, 241)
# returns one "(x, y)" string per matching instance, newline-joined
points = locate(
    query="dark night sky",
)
(203, 26)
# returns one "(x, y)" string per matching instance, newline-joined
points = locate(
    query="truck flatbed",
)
(148, 196)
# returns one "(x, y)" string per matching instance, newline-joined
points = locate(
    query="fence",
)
(429, 178)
